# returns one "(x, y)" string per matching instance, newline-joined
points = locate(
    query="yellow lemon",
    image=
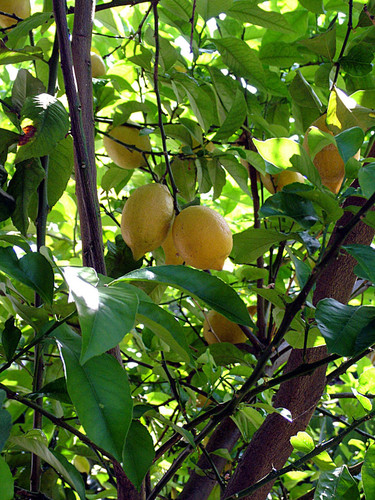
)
(275, 183)
(202, 237)
(20, 8)
(121, 155)
(146, 218)
(98, 68)
(328, 161)
(170, 251)
(218, 328)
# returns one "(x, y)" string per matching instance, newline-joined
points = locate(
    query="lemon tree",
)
(186, 249)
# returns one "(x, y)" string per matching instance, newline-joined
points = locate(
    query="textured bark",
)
(270, 446)
(199, 487)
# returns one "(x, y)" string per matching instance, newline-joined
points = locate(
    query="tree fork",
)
(299, 395)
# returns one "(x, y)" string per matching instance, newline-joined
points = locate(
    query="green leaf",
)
(23, 28)
(368, 473)
(280, 54)
(241, 60)
(60, 169)
(248, 420)
(254, 242)
(366, 179)
(212, 290)
(6, 480)
(365, 256)
(347, 330)
(324, 461)
(99, 391)
(25, 85)
(358, 60)
(7, 205)
(199, 102)
(23, 185)
(185, 176)
(302, 442)
(51, 122)
(323, 44)
(236, 170)
(32, 270)
(208, 9)
(349, 142)
(286, 204)
(338, 484)
(225, 354)
(217, 177)
(115, 177)
(56, 390)
(106, 314)
(234, 118)
(36, 446)
(16, 56)
(246, 12)
(119, 258)
(10, 338)
(303, 93)
(344, 112)
(315, 6)
(138, 453)
(5, 421)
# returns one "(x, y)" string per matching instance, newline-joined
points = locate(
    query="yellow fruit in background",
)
(202, 401)
(121, 155)
(202, 237)
(170, 251)
(218, 328)
(20, 8)
(275, 183)
(328, 161)
(81, 464)
(98, 68)
(146, 218)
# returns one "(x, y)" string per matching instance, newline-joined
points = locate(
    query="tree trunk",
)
(270, 447)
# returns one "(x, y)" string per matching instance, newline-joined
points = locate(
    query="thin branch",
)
(348, 30)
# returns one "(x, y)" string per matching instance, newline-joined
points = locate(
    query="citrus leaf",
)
(254, 242)
(302, 442)
(365, 256)
(6, 480)
(368, 472)
(138, 459)
(5, 421)
(99, 391)
(338, 484)
(10, 337)
(247, 12)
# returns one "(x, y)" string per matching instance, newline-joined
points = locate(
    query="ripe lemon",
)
(202, 237)
(275, 183)
(328, 161)
(170, 251)
(121, 155)
(20, 8)
(146, 218)
(98, 68)
(218, 328)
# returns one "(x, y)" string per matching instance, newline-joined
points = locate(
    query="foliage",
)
(225, 91)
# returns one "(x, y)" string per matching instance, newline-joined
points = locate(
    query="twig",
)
(191, 20)
(337, 418)
(348, 30)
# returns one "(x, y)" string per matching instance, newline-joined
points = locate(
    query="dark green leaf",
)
(6, 480)
(252, 243)
(225, 354)
(358, 60)
(7, 138)
(138, 453)
(234, 118)
(323, 44)
(286, 204)
(349, 142)
(303, 93)
(366, 178)
(7, 205)
(33, 270)
(280, 54)
(106, 314)
(10, 338)
(347, 330)
(25, 85)
(338, 484)
(315, 6)
(210, 289)
(365, 256)
(16, 56)
(5, 421)
(56, 390)
(119, 258)
(368, 473)
(100, 393)
(236, 170)
(185, 176)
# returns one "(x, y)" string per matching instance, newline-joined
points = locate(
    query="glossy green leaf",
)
(368, 473)
(234, 119)
(366, 178)
(252, 243)
(10, 338)
(51, 121)
(6, 481)
(323, 44)
(185, 176)
(303, 442)
(100, 393)
(199, 102)
(236, 170)
(365, 257)
(347, 330)
(32, 270)
(23, 28)
(357, 61)
(289, 204)
(106, 314)
(249, 12)
(338, 484)
(208, 9)
(349, 142)
(5, 421)
(212, 290)
(138, 453)
(25, 85)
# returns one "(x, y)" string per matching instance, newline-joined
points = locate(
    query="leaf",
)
(366, 179)
(6, 480)
(10, 338)
(115, 178)
(199, 102)
(285, 204)
(7, 205)
(16, 35)
(365, 257)
(324, 461)
(343, 113)
(225, 354)
(338, 484)
(347, 330)
(247, 12)
(51, 122)
(106, 314)
(303, 93)
(368, 472)
(60, 169)
(119, 258)
(99, 391)
(241, 60)
(280, 54)
(16, 56)
(32, 270)
(185, 176)
(23, 185)
(234, 118)
(36, 446)
(349, 142)
(254, 242)
(358, 60)
(236, 170)
(208, 288)
(303, 442)
(323, 44)
(25, 85)
(56, 390)
(138, 453)
(208, 9)
(5, 421)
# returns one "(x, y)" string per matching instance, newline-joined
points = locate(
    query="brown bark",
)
(270, 446)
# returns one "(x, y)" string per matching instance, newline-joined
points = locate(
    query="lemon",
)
(20, 8)
(202, 237)
(328, 161)
(146, 218)
(275, 183)
(121, 155)
(218, 328)
(98, 68)
(170, 251)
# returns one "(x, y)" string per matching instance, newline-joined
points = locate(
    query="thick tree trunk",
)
(270, 446)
